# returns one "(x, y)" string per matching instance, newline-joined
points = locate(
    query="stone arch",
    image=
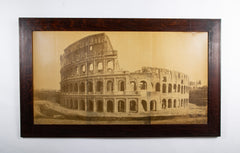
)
(121, 85)
(90, 106)
(99, 87)
(110, 65)
(143, 85)
(99, 106)
(175, 103)
(82, 87)
(133, 106)
(109, 86)
(144, 105)
(121, 106)
(153, 105)
(110, 106)
(164, 104)
(169, 103)
(89, 86)
(90, 68)
(169, 88)
(164, 88)
(100, 66)
(157, 86)
(133, 85)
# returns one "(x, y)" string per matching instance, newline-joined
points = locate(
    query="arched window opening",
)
(164, 104)
(133, 86)
(144, 105)
(121, 106)
(175, 103)
(179, 88)
(90, 106)
(133, 105)
(157, 88)
(99, 106)
(110, 66)
(121, 86)
(91, 67)
(100, 66)
(169, 103)
(164, 79)
(82, 105)
(152, 105)
(110, 106)
(82, 87)
(181, 102)
(99, 86)
(89, 86)
(143, 85)
(109, 86)
(75, 88)
(83, 68)
(164, 88)
(169, 88)
(175, 88)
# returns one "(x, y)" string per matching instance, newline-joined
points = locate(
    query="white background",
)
(228, 11)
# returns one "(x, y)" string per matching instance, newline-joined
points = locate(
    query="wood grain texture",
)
(28, 25)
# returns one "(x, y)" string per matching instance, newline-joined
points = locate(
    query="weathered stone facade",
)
(93, 83)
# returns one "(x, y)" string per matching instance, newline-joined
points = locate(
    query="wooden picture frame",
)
(28, 25)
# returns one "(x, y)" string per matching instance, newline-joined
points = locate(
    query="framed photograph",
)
(92, 77)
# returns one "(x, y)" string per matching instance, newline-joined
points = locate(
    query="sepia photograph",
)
(113, 77)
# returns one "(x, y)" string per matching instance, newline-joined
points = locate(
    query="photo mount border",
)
(28, 25)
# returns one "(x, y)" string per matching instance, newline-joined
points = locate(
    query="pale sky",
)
(181, 51)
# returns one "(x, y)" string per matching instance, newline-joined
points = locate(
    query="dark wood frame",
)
(28, 25)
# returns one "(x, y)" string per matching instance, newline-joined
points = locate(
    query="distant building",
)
(92, 83)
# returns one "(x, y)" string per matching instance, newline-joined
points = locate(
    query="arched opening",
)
(133, 105)
(169, 88)
(83, 68)
(144, 105)
(133, 86)
(100, 67)
(110, 106)
(90, 106)
(82, 105)
(157, 87)
(179, 88)
(121, 86)
(110, 66)
(91, 67)
(169, 103)
(99, 106)
(143, 85)
(175, 88)
(82, 87)
(175, 103)
(99, 87)
(164, 104)
(181, 102)
(75, 87)
(109, 86)
(164, 88)
(152, 105)
(89, 86)
(121, 106)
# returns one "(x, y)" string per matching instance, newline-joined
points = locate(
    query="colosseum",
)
(93, 84)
